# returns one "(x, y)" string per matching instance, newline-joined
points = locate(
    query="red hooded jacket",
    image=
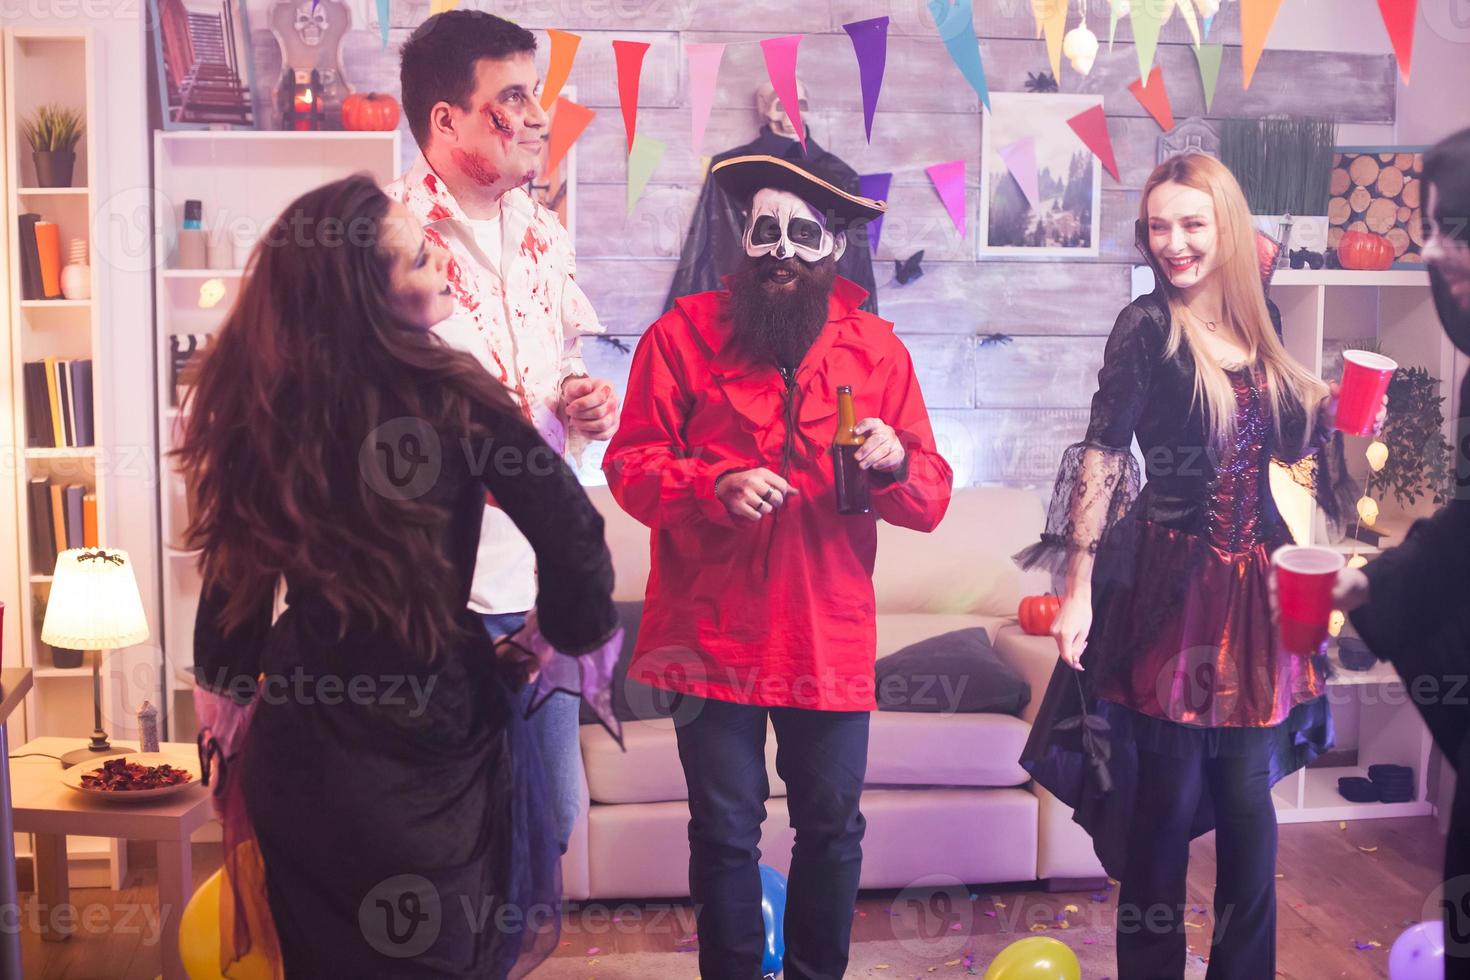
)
(779, 612)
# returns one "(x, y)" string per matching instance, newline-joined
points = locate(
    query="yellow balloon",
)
(1035, 958)
(199, 939)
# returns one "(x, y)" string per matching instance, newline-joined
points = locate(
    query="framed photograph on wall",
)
(1379, 189)
(201, 51)
(1025, 137)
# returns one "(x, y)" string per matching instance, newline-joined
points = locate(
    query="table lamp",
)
(94, 605)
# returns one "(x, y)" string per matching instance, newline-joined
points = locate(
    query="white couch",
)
(945, 794)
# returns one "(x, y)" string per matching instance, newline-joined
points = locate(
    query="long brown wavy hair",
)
(304, 369)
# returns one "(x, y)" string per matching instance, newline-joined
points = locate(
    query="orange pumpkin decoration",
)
(1037, 613)
(1364, 252)
(370, 112)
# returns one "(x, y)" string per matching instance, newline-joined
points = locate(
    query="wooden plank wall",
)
(1004, 410)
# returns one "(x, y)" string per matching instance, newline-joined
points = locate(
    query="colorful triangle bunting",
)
(1399, 16)
(563, 53)
(949, 181)
(1208, 56)
(780, 55)
(568, 122)
(874, 186)
(1148, 17)
(1020, 160)
(870, 45)
(704, 74)
(629, 55)
(1091, 126)
(1256, 19)
(956, 23)
(1154, 97)
(643, 160)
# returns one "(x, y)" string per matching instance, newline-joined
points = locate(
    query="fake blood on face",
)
(476, 168)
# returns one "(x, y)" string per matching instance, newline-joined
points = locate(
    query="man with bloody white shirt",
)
(469, 95)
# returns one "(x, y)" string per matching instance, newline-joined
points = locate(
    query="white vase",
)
(76, 277)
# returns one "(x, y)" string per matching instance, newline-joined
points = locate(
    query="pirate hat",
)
(742, 177)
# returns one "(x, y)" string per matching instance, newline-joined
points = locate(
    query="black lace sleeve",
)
(1099, 477)
(541, 495)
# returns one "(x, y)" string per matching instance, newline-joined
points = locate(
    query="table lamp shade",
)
(94, 602)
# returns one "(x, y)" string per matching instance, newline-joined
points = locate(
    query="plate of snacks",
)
(139, 777)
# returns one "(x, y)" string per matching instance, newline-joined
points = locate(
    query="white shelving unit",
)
(242, 177)
(44, 66)
(1322, 309)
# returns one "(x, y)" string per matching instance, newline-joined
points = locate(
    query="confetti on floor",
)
(1367, 850)
(1342, 825)
(1000, 905)
(990, 914)
(1070, 908)
(594, 950)
(1100, 897)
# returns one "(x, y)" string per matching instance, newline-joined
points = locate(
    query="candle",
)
(305, 101)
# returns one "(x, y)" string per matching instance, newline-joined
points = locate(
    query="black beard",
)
(780, 325)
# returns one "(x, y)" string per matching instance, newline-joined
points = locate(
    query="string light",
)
(211, 291)
(1335, 623)
(1368, 511)
(1356, 561)
(1377, 453)
(1080, 45)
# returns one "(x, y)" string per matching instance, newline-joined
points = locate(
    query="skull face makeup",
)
(783, 225)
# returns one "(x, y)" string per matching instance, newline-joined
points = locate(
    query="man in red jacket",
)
(760, 599)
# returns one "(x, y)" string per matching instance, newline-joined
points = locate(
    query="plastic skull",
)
(311, 22)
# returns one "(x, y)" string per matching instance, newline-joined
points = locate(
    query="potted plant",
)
(53, 132)
(1285, 168)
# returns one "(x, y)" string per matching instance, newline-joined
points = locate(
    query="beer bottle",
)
(850, 480)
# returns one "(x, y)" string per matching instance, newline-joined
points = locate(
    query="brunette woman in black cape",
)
(335, 443)
(1173, 711)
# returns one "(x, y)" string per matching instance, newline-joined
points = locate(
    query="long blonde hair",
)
(1244, 304)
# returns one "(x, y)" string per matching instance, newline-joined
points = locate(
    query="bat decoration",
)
(909, 269)
(995, 339)
(617, 344)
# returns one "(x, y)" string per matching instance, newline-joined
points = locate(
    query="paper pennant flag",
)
(1208, 56)
(1020, 160)
(949, 181)
(567, 125)
(1209, 23)
(643, 160)
(629, 55)
(1091, 126)
(870, 44)
(1148, 17)
(384, 16)
(956, 24)
(1256, 18)
(1186, 10)
(780, 55)
(1399, 17)
(704, 72)
(1051, 17)
(1115, 14)
(563, 53)
(874, 186)
(439, 6)
(1154, 97)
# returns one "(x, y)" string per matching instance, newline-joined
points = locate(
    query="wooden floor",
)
(1337, 888)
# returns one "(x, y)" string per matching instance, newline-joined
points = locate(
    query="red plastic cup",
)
(1365, 378)
(1304, 580)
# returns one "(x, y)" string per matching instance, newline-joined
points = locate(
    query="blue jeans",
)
(554, 729)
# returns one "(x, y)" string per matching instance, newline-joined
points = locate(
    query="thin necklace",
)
(1210, 325)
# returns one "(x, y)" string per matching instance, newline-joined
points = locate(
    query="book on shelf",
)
(58, 402)
(74, 527)
(43, 542)
(58, 516)
(30, 259)
(48, 252)
(63, 516)
(89, 520)
(186, 353)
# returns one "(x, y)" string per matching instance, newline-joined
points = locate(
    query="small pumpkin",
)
(1037, 613)
(1365, 252)
(372, 112)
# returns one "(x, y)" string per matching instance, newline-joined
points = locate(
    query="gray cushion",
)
(951, 673)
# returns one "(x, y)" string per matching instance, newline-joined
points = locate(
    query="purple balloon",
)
(1418, 954)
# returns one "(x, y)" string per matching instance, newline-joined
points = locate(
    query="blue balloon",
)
(773, 913)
